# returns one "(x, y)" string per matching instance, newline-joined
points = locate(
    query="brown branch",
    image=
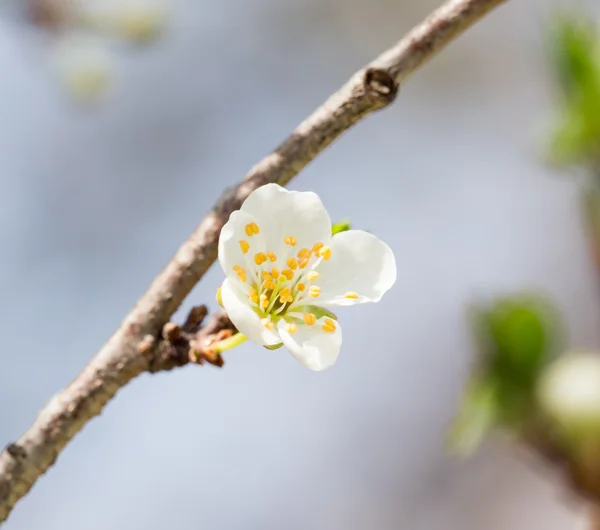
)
(135, 347)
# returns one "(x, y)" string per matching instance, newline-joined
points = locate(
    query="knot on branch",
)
(381, 84)
(191, 342)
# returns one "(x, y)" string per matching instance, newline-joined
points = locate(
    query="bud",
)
(569, 394)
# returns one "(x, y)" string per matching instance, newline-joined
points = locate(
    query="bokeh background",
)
(95, 200)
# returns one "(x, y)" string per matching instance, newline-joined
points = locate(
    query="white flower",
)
(284, 269)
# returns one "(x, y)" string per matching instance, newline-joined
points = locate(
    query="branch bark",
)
(136, 346)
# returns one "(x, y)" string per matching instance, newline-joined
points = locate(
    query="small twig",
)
(135, 347)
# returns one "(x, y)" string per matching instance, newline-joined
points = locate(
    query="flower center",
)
(275, 294)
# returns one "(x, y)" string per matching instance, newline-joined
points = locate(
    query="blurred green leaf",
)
(517, 336)
(342, 226)
(575, 58)
(477, 416)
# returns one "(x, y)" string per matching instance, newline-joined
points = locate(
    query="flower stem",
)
(228, 344)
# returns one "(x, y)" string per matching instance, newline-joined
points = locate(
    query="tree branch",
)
(136, 347)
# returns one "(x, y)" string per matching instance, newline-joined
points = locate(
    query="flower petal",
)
(311, 346)
(230, 251)
(362, 268)
(235, 302)
(282, 213)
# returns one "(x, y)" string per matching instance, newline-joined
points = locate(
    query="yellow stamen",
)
(287, 273)
(291, 327)
(301, 287)
(244, 245)
(292, 263)
(266, 276)
(270, 285)
(309, 318)
(272, 257)
(267, 323)
(328, 326)
(240, 272)
(285, 296)
(260, 258)
(290, 240)
(351, 295)
(275, 272)
(303, 263)
(325, 253)
(314, 291)
(304, 253)
(264, 301)
(253, 295)
(251, 229)
(317, 247)
(312, 275)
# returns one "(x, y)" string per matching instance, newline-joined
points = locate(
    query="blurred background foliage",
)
(527, 379)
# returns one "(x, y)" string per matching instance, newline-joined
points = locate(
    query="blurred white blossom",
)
(569, 392)
(85, 66)
(134, 20)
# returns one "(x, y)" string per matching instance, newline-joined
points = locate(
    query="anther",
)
(290, 240)
(301, 287)
(251, 229)
(267, 323)
(314, 291)
(264, 301)
(312, 275)
(244, 245)
(272, 257)
(292, 263)
(351, 295)
(309, 318)
(317, 247)
(328, 326)
(303, 263)
(304, 253)
(289, 274)
(291, 327)
(260, 258)
(325, 253)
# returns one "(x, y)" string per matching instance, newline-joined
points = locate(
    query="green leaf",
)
(517, 337)
(477, 416)
(575, 58)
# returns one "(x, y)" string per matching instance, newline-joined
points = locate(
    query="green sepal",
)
(320, 312)
(342, 226)
(274, 346)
